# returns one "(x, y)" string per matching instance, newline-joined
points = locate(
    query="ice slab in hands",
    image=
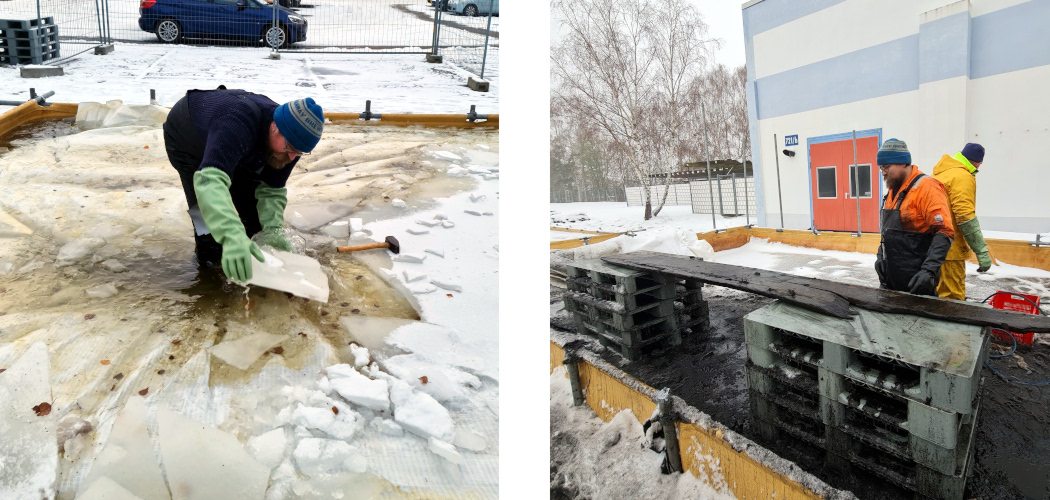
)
(419, 413)
(205, 463)
(28, 447)
(241, 353)
(308, 217)
(128, 459)
(288, 272)
(107, 489)
(361, 390)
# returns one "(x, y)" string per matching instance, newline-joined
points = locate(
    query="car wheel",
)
(276, 36)
(470, 10)
(168, 31)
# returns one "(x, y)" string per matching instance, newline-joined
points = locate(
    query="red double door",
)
(835, 182)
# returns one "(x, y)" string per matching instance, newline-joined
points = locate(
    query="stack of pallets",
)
(28, 41)
(627, 311)
(894, 395)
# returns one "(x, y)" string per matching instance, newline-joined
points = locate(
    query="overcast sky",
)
(724, 20)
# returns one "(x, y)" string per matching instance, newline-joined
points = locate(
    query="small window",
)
(826, 187)
(865, 181)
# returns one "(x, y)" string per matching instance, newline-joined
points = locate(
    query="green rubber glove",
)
(213, 196)
(971, 230)
(271, 203)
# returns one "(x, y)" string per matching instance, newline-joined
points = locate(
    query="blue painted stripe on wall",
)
(944, 48)
(884, 69)
(769, 14)
(1011, 39)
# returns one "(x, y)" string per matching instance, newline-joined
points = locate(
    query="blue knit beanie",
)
(893, 152)
(300, 122)
(973, 152)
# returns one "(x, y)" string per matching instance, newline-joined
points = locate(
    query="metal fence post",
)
(667, 423)
(736, 207)
(707, 153)
(437, 27)
(38, 14)
(98, 17)
(485, 54)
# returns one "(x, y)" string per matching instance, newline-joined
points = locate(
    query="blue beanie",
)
(300, 122)
(893, 152)
(973, 152)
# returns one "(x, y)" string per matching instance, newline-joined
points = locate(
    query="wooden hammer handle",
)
(364, 247)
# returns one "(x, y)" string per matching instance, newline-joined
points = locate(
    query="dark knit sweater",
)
(235, 136)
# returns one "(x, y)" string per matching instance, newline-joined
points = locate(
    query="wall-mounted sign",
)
(791, 140)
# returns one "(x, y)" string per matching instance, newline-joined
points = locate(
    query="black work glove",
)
(923, 283)
(879, 263)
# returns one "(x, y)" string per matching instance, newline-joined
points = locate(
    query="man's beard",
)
(274, 160)
(894, 184)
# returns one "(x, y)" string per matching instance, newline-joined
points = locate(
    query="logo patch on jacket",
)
(939, 219)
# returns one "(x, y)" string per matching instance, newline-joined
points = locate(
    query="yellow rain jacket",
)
(957, 175)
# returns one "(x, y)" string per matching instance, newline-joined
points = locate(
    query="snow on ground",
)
(390, 389)
(616, 217)
(339, 83)
(614, 459)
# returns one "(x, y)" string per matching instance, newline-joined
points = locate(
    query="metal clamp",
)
(1038, 242)
(473, 115)
(368, 114)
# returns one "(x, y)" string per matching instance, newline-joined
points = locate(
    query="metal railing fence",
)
(467, 35)
(732, 195)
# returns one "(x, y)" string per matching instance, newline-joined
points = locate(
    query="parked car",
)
(473, 7)
(173, 20)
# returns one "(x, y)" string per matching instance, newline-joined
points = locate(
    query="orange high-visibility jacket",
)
(925, 208)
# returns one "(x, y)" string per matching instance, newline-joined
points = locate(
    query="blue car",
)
(474, 7)
(173, 20)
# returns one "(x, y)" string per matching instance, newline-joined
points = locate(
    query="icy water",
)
(98, 264)
(1012, 452)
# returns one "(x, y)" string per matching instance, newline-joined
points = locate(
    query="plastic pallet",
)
(630, 342)
(609, 314)
(26, 24)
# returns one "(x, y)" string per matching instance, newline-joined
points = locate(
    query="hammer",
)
(390, 243)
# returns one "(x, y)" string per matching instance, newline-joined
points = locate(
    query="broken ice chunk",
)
(337, 229)
(472, 212)
(469, 440)
(241, 353)
(444, 450)
(269, 448)
(76, 250)
(477, 170)
(447, 285)
(411, 276)
(421, 288)
(101, 291)
(404, 178)
(486, 213)
(447, 224)
(476, 198)
(107, 231)
(358, 236)
(313, 418)
(128, 457)
(417, 231)
(388, 427)
(155, 252)
(355, 224)
(361, 356)
(489, 177)
(434, 251)
(456, 171)
(440, 216)
(316, 456)
(299, 275)
(341, 370)
(415, 258)
(399, 203)
(428, 223)
(114, 265)
(446, 154)
(28, 451)
(107, 489)
(419, 413)
(205, 463)
(361, 390)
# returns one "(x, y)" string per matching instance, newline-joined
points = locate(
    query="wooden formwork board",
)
(30, 111)
(706, 453)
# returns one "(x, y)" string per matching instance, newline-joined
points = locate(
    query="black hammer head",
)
(394, 246)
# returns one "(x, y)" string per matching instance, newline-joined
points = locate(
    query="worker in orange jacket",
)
(917, 226)
(958, 173)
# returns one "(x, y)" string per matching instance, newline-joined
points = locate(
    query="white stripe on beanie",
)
(306, 118)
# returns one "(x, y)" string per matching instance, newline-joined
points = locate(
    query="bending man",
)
(234, 151)
(958, 173)
(916, 224)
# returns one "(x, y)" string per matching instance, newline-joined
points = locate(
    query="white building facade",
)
(933, 73)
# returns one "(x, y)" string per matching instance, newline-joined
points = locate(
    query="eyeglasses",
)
(884, 167)
(292, 151)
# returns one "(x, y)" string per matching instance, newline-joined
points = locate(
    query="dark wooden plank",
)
(828, 297)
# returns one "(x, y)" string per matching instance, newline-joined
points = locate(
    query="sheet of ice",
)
(310, 216)
(114, 113)
(101, 291)
(127, 458)
(107, 489)
(269, 448)
(205, 463)
(241, 353)
(372, 332)
(316, 456)
(437, 344)
(444, 450)
(289, 272)
(419, 413)
(361, 390)
(28, 447)
(76, 250)
(441, 381)
(469, 440)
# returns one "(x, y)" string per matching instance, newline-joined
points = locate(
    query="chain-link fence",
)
(728, 195)
(678, 195)
(49, 31)
(569, 195)
(463, 32)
